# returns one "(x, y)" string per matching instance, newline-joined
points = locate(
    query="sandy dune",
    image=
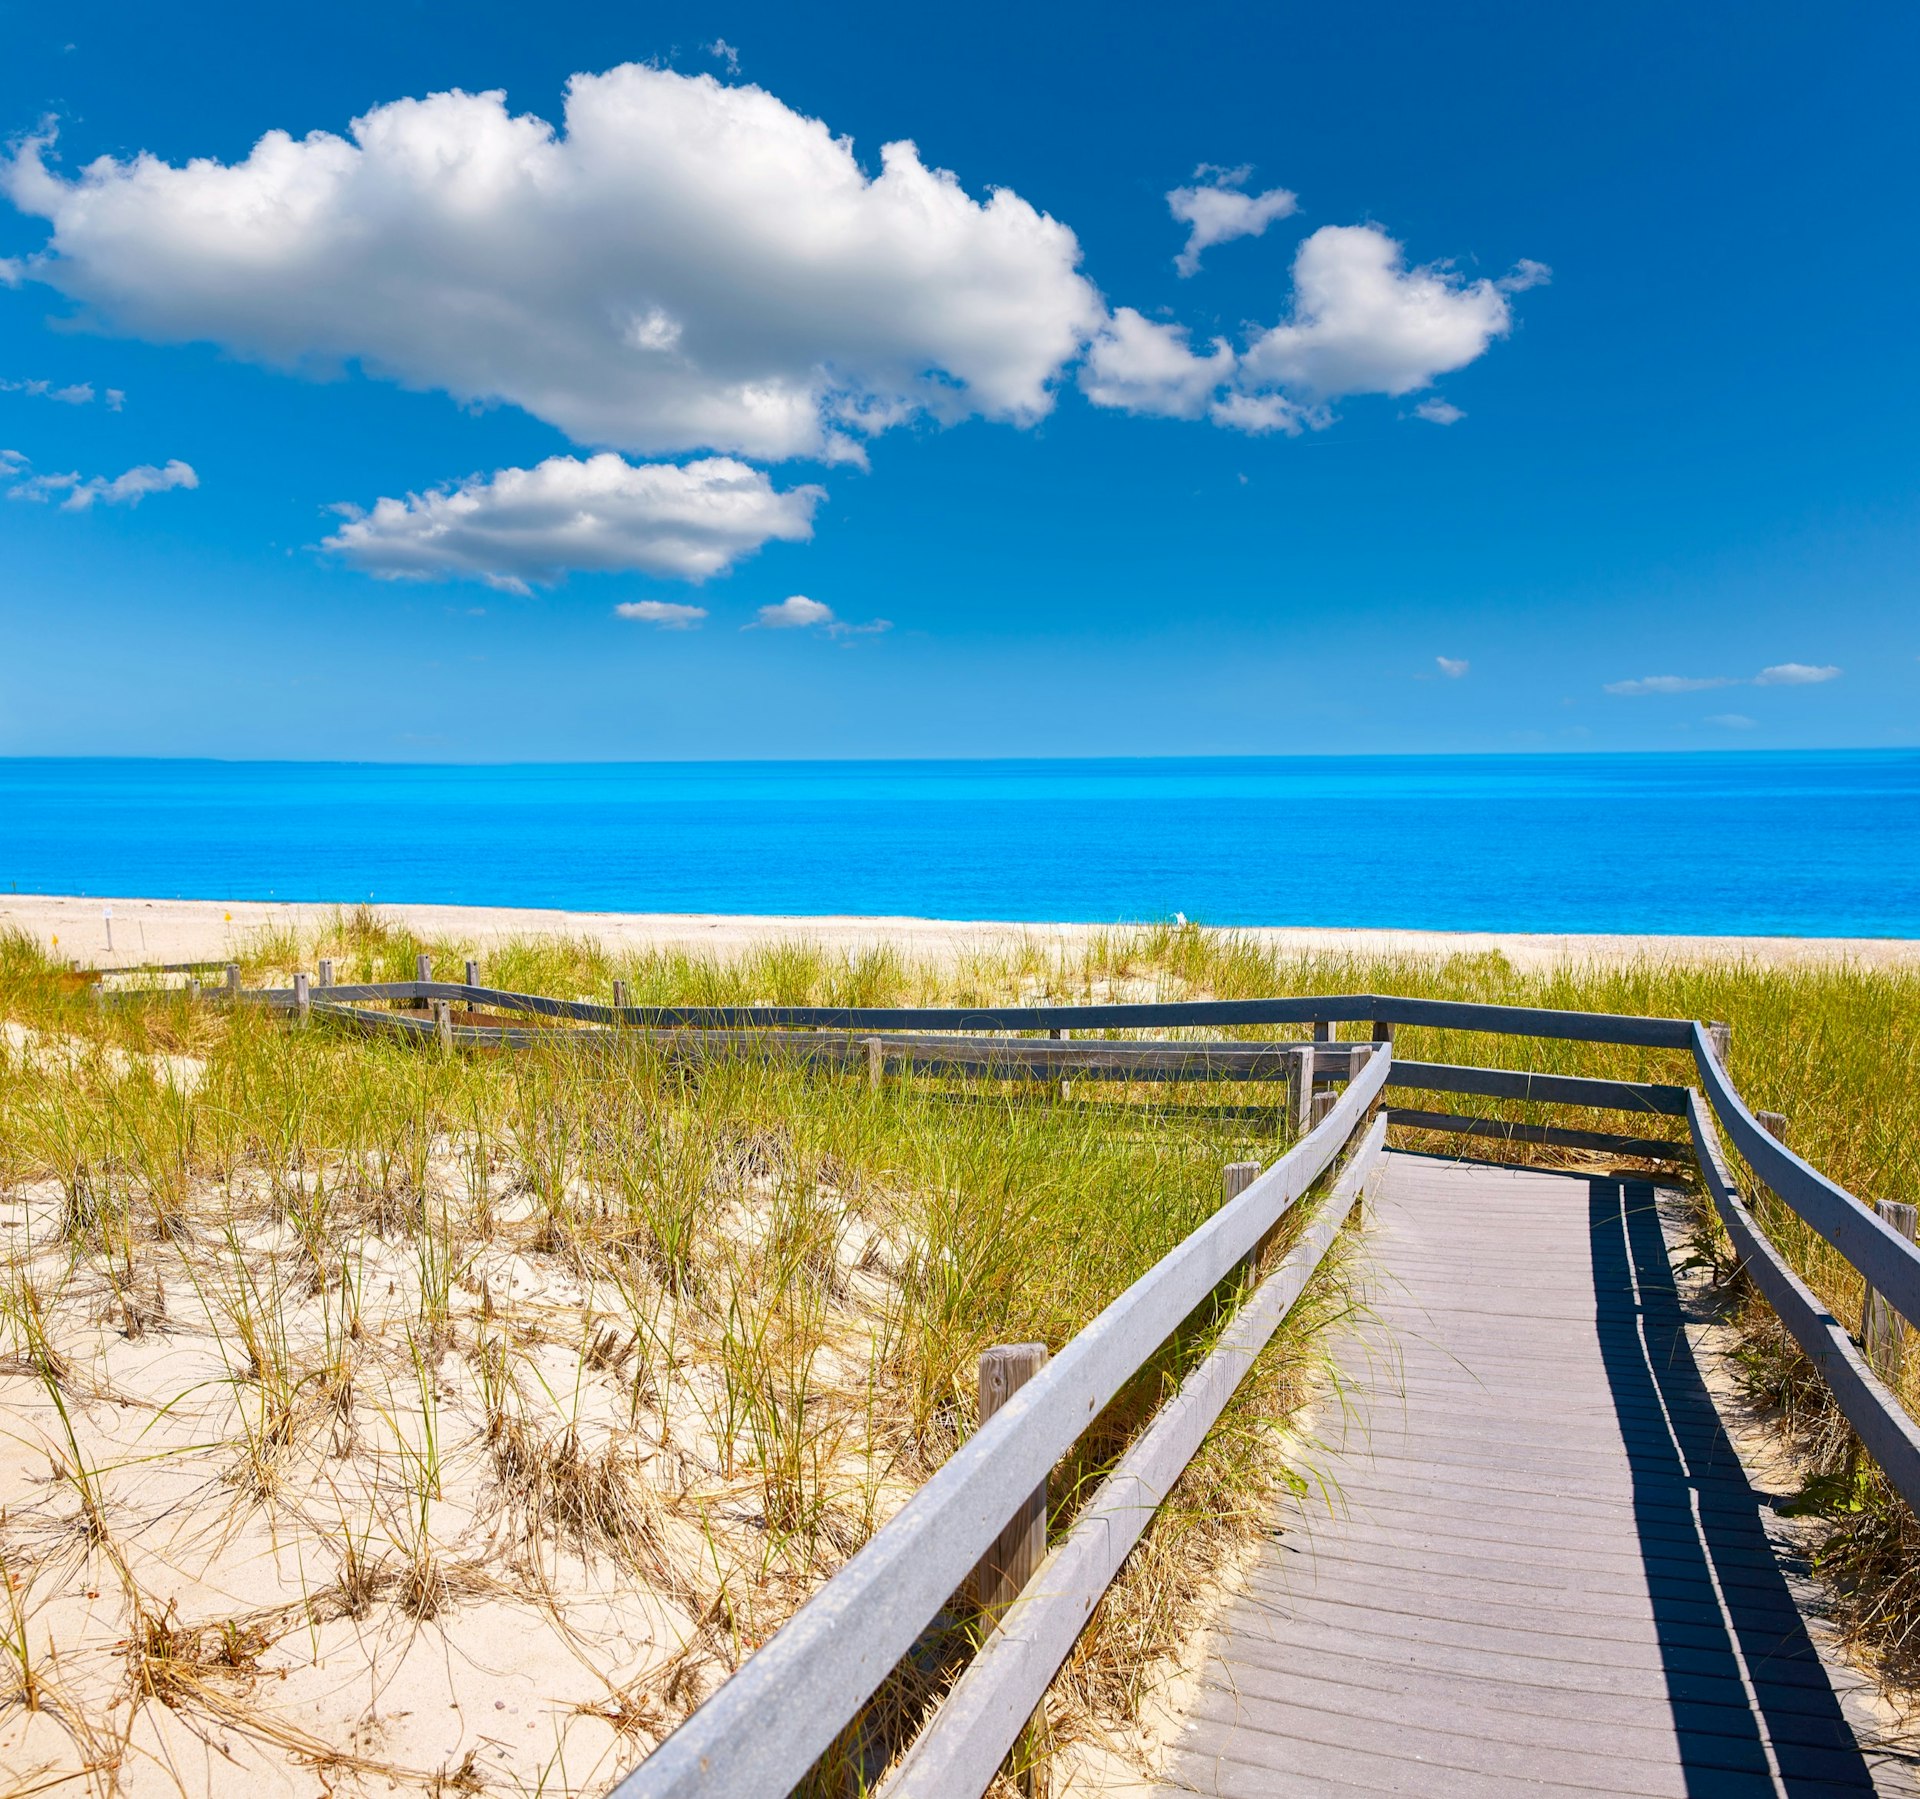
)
(156, 930)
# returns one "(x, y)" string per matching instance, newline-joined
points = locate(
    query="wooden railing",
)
(767, 1726)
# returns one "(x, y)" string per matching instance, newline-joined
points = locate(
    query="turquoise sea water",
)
(1811, 843)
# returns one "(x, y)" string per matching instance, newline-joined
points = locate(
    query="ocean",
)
(1819, 844)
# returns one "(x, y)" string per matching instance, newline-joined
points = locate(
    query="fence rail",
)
(766, 1727)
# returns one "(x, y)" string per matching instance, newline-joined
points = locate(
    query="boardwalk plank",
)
(1537, 1565)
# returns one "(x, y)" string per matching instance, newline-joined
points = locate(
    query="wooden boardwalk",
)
(1544, 1571)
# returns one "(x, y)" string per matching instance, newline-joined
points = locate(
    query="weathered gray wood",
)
(443, 1022)
(876, 1063)
(1322, 1030)
(1555, 1136)
(1238, 1177)
(1001, 1575)
(302, 998)
(1881, 1333)
(423, 967)
(1535, 1567)
(1886, 1259)
(1546, 1089)
(1889, 1435)
(955, 1756)
(325, 976)
(1322, 1104)
(1720, 1039)
(473, 972)
(233, 980)
(1589, 1027)
(619, 996)
(762, 1730)
(1300, 1090)
(1774, 1124)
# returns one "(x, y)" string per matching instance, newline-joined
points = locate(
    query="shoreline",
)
(181, 930)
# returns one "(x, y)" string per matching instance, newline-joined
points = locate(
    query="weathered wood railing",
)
(763, 1730)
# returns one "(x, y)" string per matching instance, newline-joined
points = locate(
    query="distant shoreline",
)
(184, 930)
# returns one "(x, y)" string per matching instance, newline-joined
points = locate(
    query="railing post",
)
(233, 981)
(1881, 1334)
(1380, 1032)
(443, 1023)
(473, 974)
(326, 972)
(877, 1071)
(1323, 1103)
(1066, 1087)
(1300, 1089)
(1239, 1176)
(1720, 1035)
(1322, 1030)
(619, 996)
(1001, 1574)
(1774, 1124)
(302, 998)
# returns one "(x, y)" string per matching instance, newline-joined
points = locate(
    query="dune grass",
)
(565, 1379)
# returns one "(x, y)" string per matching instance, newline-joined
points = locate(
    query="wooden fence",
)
(766, 1727)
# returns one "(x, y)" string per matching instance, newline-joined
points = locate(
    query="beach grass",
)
(559, 1381)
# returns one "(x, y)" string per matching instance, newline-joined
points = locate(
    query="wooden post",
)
(1239, 1177)
(1323, 1103)
(302, 998)
(1881, 1332)
(1006, 1568)
(326, 972)
(619, 996)
(1300, 1089)
(233, 981)
(1066, 1087)
(877, 1065)
(443, 1023)
(1773, 1123)
(1720, 1036)
(1322, 1031)
(473, 973)
(1380, 1031)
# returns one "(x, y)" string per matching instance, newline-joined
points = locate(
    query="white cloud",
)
(794, 612)
(722, 51)
(520, 526)
(1363, 322)
(1671, 684)
(79, 493)
(1453, 667)
(1218, 211)
(1140, 366)
(11, 271)
(1438, 412)
(115, 399)
(668, 614)
(1732, 721)
(1260, 414)
(1525, 273)
(79, 394)
(797, 612)
(1782, 674)
(685, 264)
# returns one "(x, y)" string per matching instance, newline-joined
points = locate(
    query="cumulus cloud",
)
(797, 612)
(518, 527)
(1782, 674)
(1218, 210)
(77, 493)
(1453, 667)
(1438, 412)
(794, 612)
(668, 614)
(1363, 322)
(1138, 365)
(722, 51)
(681, 264)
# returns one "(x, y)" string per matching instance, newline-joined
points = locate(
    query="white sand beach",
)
(179, 930)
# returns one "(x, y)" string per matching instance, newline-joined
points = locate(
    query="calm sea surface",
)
(1812, 844)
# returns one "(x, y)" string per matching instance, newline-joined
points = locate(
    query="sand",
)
(159, 930)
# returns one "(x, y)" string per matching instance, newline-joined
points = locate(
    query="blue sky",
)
(1685, 459)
